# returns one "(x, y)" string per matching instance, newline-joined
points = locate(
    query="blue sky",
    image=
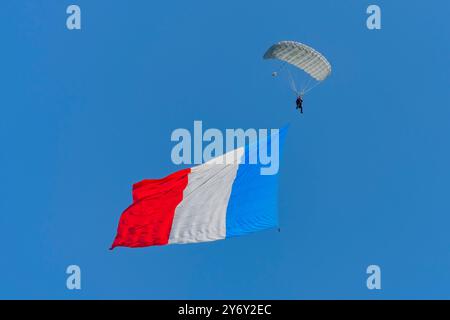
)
(365, 174)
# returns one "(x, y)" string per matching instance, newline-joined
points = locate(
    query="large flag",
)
(224, 197)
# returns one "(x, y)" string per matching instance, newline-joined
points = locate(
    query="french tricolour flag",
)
(224, 197)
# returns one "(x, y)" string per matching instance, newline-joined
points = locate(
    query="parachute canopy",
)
(301, 56)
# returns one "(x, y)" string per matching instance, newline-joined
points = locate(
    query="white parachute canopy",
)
(303, 57)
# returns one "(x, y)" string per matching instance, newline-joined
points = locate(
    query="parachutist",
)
(299, 103)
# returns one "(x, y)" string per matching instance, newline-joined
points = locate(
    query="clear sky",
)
(365, 177)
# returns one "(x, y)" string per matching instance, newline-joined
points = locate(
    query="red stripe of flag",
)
(148, 220)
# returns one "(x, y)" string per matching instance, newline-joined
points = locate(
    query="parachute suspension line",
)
(282, 66)
(279, 69)
(308, 85)
(290, 77)
(305, 85)
(312, 87)
(292, 82)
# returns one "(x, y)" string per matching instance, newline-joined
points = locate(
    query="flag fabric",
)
(224, 197)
